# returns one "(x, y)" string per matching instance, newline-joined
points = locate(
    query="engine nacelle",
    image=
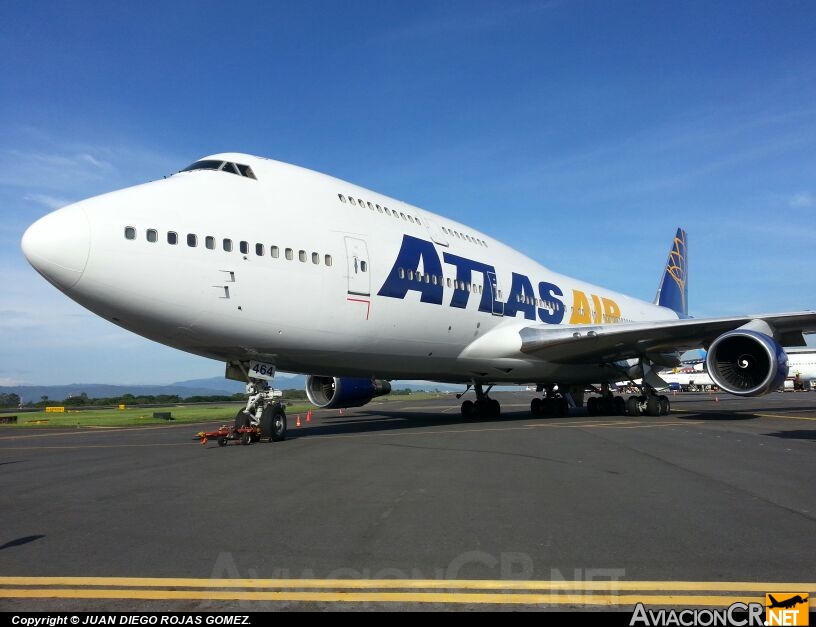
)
(337, 392)
(747, 363)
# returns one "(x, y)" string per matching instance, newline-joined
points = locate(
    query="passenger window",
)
(172, 238)
(227, 245)
(302, 255)
(387, 211)
(243, 247)
(401, 273)
(361, 202)
(259, 250)
(402, 215)
(290, 253)
(410, 275)
(152, 235)
(315, 259)
(434, 279)
(370, 206)
(364, 266)
(410, 218)
(328, 260)
(209, 242)
(130, 232)
(428, 278)
(379, 208)
(341, 197)
(449, 282)
(274, 251)
(417, 221)
(351, 201)
(192, 240)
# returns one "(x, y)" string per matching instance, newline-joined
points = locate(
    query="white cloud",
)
(802, 200)
(52, 202)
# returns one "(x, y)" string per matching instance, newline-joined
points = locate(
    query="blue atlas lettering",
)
(521, 297)
(464, 275)
(548, 292)
(413, 252)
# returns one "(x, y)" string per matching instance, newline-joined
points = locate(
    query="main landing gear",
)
(483, 406)
(649, 404)
(553, 404)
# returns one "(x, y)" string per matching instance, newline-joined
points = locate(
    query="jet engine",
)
(337, 392)
(747, 363)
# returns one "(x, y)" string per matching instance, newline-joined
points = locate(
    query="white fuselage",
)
(349, 302)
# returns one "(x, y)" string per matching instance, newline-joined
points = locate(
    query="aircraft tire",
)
(633, 406)
(536, 407)
(653, 406)
(665, 405)
(241, 420)
(278, 425)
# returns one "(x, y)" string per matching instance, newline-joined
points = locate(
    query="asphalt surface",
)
(462, 514)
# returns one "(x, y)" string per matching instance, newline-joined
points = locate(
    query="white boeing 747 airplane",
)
(265, 265)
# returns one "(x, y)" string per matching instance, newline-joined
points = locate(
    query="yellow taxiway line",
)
(399, 590)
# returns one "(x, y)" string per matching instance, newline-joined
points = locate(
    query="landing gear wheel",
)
(563, 407)
(665, 405)
(633, 406)
(468, 409)
(246, 439)
(653, 405)
(241, 420)
(493, 408)
(620, 406)
(592, 406)
(278, 426)
(222, 441)
(273, 424)
(536, 407)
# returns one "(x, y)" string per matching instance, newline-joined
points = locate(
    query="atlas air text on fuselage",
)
(418, 260)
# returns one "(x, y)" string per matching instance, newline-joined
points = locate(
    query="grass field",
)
(129, 417)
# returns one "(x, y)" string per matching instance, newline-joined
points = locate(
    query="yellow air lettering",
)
(580, 308)
(611, 310)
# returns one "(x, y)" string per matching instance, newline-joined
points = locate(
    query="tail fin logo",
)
(673, 289)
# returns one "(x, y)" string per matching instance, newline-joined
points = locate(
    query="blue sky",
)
(581, 132)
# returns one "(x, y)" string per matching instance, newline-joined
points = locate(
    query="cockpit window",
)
(245, 171)
(206, 164)
(225, 166)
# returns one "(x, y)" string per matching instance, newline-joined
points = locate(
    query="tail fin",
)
(673, 290)
(774, 602)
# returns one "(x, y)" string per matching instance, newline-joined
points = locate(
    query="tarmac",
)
(406, 505)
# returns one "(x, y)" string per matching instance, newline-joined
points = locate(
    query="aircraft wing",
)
(575, 344)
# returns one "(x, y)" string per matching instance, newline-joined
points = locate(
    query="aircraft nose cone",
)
(57, 246)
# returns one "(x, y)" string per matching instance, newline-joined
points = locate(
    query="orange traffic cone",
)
(309, 416)
(297, 424)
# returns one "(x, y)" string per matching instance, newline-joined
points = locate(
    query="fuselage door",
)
(436, 232)
(495, 294)
(359, 282)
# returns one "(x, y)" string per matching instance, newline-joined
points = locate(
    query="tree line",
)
(12, 400)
